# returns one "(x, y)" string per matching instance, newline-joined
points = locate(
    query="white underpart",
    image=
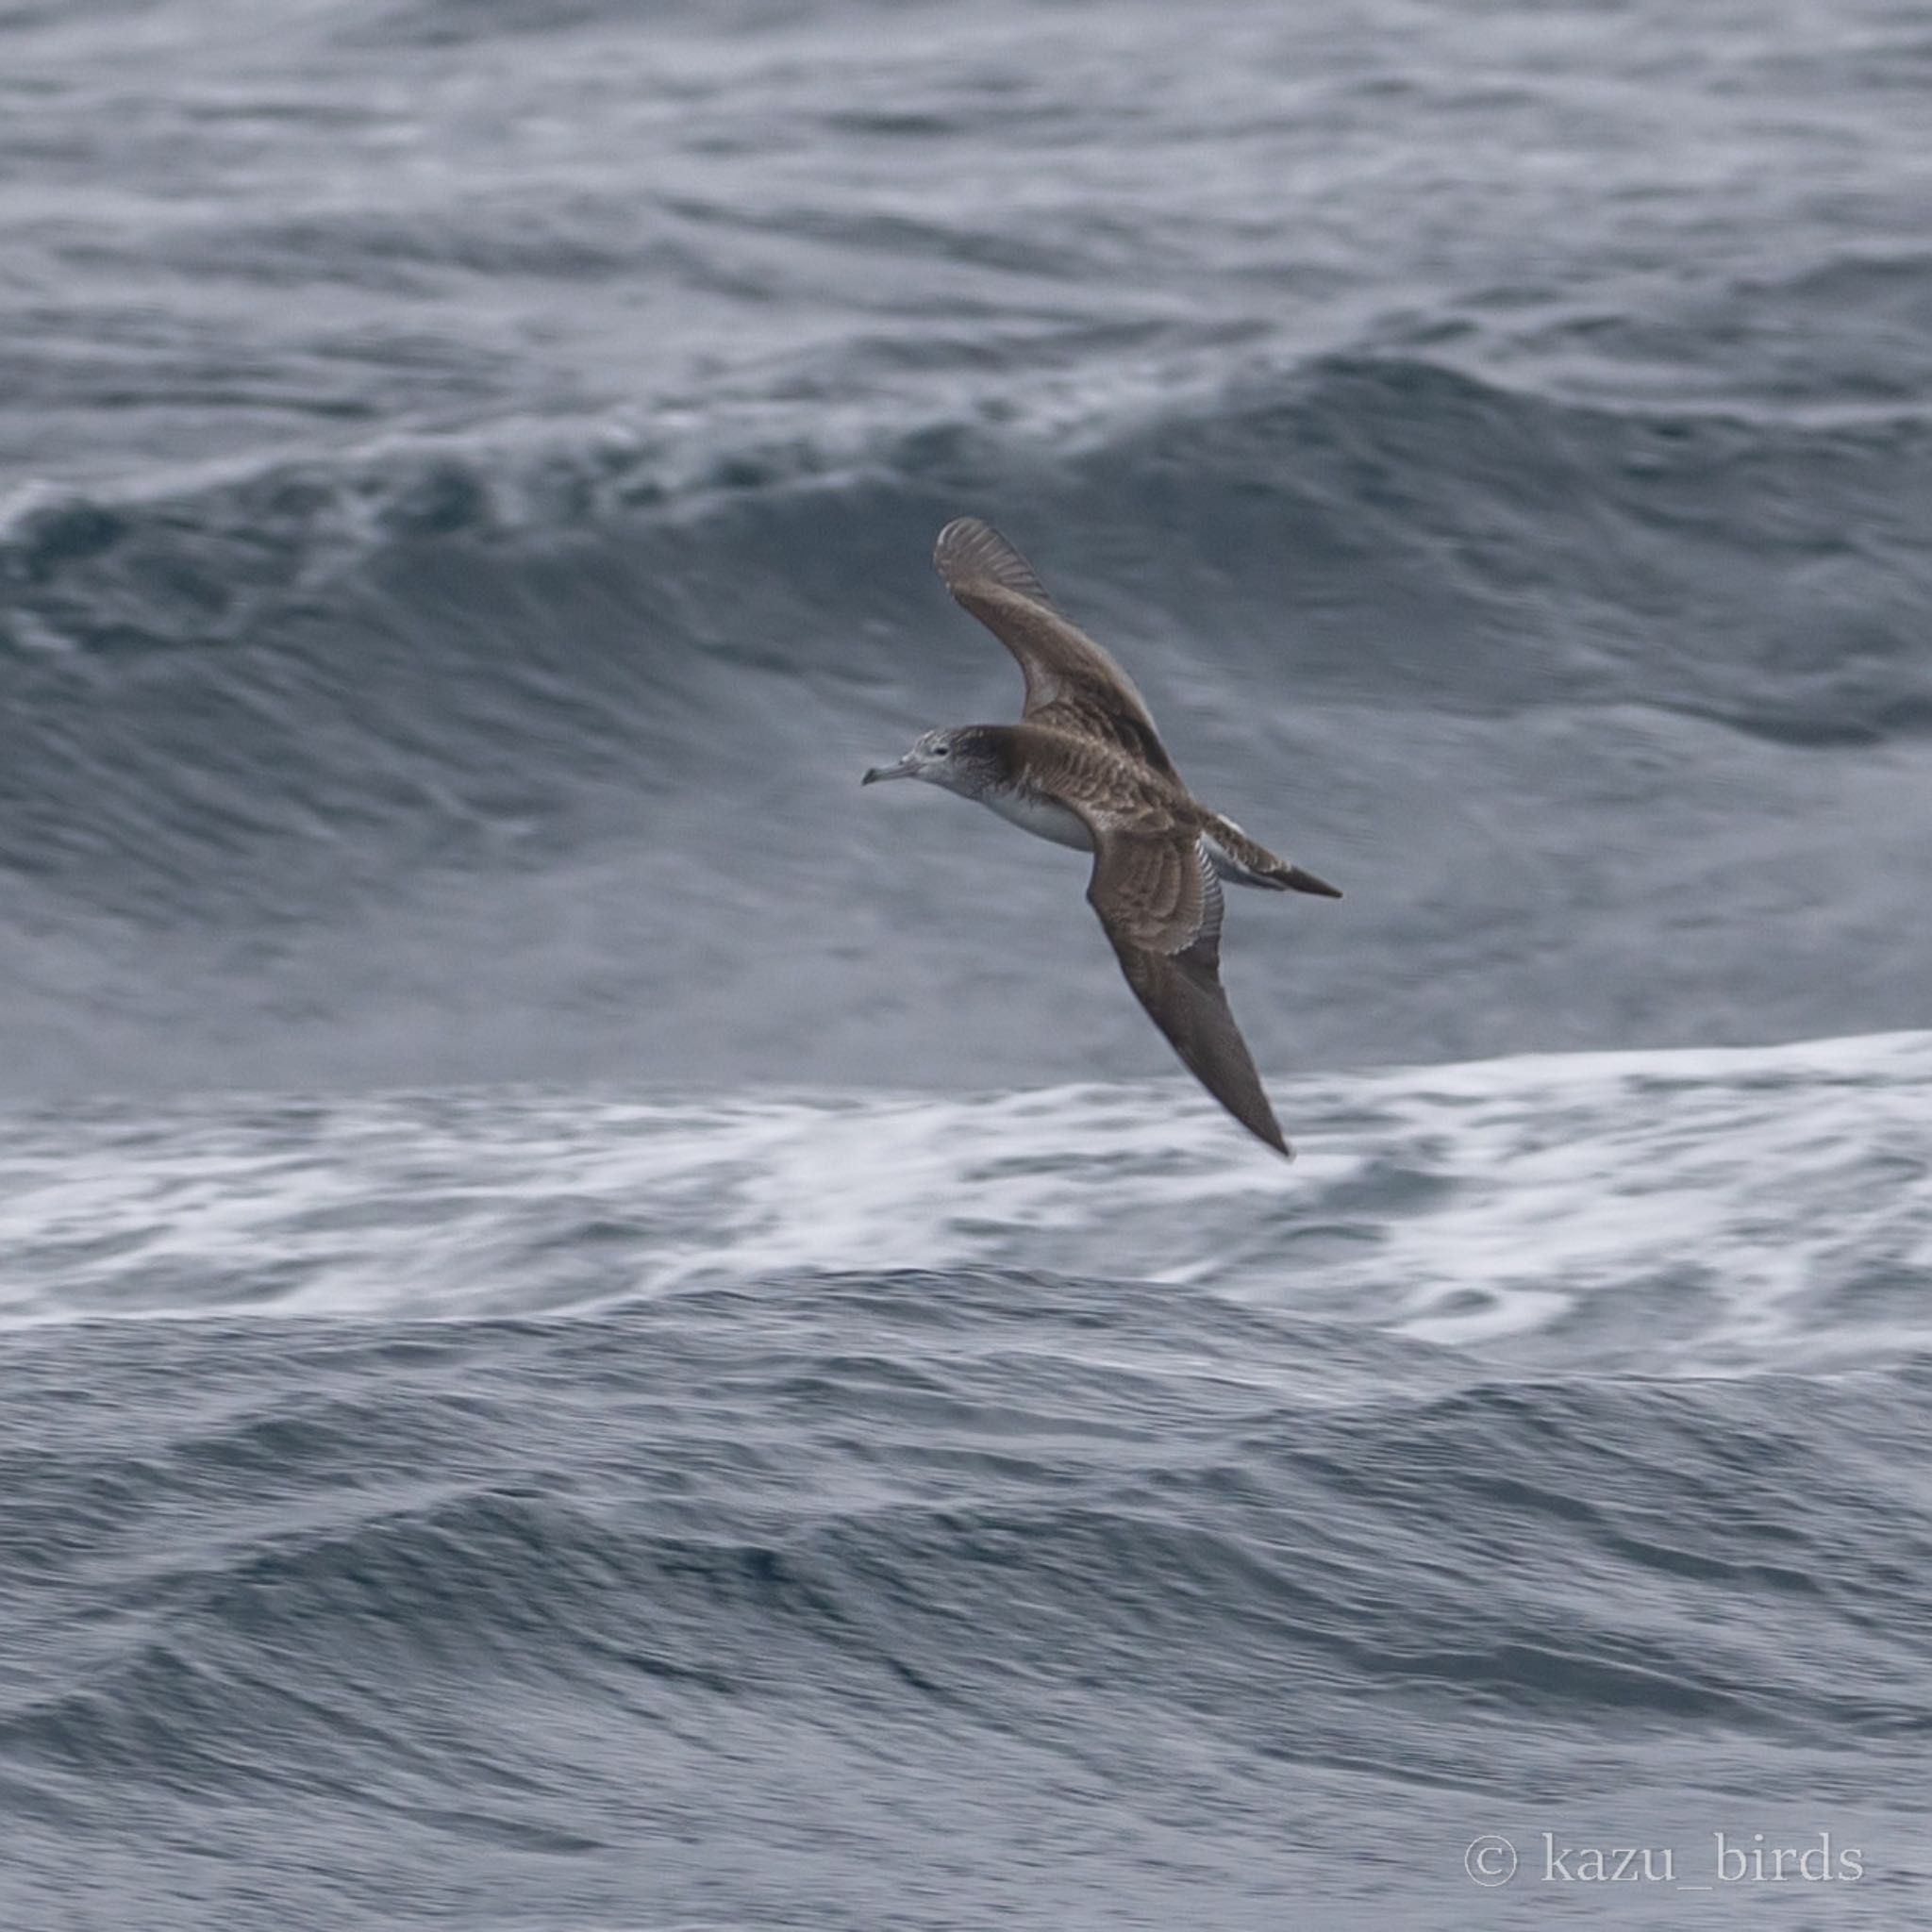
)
(1041, 817)
(1229, 867)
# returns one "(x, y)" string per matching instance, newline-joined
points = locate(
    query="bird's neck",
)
(992, 763)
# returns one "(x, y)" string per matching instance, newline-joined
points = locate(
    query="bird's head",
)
(962, 759)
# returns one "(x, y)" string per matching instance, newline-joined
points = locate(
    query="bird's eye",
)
(942, 748)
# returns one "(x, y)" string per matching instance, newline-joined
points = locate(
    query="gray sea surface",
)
(600, 1331)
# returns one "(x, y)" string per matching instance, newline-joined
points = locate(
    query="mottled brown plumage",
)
(1072, 684)
(1086, 767)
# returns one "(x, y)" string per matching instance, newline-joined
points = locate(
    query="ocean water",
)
(599, 1331)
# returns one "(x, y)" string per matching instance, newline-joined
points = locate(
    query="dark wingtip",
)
(1300, 880)
(968, 550)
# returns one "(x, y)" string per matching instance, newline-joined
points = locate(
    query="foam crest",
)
(1699, 1209)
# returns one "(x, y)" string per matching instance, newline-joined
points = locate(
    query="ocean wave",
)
(574, 1608)
(467, 752)
(1610, 1210)
(1238, 488)
(488, 454)
(1431, 541)
(991, 1498)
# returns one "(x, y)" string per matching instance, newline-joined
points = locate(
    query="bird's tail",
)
(1242, 862)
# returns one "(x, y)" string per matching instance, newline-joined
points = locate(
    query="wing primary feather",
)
(1160, 904)
(1072, 683)
(969, 551)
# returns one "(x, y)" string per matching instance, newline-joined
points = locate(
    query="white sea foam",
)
(1698, 1209)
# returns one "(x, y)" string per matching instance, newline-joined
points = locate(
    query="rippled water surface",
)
(599, 1331)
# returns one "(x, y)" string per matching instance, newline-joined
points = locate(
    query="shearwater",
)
(1086, 768)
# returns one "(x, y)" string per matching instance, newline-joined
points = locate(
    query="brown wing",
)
(1160, 903)
(1072, 684)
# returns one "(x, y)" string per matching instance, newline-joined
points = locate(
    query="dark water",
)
(659, 1406)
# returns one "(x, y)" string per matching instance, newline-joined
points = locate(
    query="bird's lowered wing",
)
(1160, 901)
(1072, 684)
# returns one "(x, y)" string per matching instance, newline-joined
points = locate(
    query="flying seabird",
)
(1084, 767)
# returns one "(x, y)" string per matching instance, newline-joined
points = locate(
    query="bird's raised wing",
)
(1072, 684)
(1160, 901)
